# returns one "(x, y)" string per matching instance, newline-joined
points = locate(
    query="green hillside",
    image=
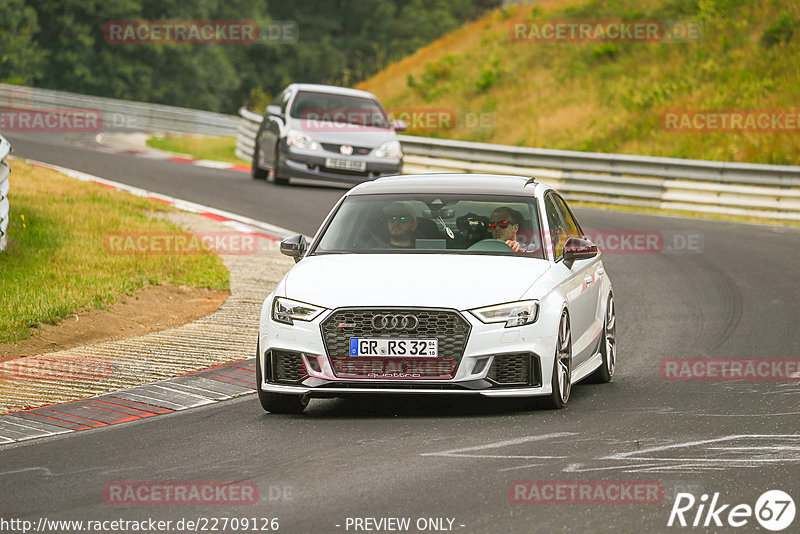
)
(611, 96)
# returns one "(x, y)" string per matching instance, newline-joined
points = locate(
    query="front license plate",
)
(417, 348)
(346, 164)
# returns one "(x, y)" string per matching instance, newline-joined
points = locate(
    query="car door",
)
(271, 129)
(577, 282)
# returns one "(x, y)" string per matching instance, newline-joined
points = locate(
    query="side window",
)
(558, 230)
(573, 229)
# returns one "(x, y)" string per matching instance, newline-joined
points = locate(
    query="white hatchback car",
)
(439, 284)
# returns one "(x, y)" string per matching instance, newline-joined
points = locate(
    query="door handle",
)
(588, 279)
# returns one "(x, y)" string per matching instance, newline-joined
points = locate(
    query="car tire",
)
(277, 402)
(279, 180)
(608, 347)
(255, 171)
(561, 379)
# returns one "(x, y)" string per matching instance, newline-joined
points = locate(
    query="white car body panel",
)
(452, 281)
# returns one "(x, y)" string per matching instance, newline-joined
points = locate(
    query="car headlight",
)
(286, 310)
(299, 139)
(513, 314)
(389, 149)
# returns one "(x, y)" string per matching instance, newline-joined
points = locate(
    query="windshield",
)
(441, 224)
(313, 106)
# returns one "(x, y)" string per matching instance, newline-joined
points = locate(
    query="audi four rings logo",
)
(395, 322)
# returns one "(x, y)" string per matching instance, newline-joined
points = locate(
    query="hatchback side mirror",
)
(294, 247)
(578, 249)
(274, 110)
(399, 125)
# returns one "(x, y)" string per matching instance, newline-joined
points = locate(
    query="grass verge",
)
(609, 96)
(221, 148)
(56, 261)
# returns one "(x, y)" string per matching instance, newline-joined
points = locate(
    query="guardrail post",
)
(5, 170)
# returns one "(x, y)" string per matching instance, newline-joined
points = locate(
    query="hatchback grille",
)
(287, 366)
(447, 326)
(357, 150)
(515, 370)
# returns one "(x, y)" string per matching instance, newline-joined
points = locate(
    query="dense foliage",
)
(60, 44)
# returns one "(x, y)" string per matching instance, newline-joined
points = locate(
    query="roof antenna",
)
(530, 181)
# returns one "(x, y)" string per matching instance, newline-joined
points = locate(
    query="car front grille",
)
(286, 366)
(447, 326)
(357, 150)
(515, 370)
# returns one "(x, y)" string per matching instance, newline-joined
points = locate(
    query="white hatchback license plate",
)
(346, 164)
(400, 347)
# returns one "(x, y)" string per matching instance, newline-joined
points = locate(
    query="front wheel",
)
(277, 402)
(255, 171)
(608, 347)
(561, 379)
(279, 179)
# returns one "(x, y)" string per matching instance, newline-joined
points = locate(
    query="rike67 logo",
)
(774, 511)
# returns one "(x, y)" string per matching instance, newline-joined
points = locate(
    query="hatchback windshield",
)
(442, 224)
(314, 106)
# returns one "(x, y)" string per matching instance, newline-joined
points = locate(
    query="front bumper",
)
(478, 372)
(310, 165)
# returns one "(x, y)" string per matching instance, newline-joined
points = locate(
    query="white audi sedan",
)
(439, 284)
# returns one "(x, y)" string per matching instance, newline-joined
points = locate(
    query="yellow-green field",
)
(200, 147)
(56, 261)
(610, 96)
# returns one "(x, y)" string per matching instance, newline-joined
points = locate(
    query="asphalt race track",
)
(722, 290)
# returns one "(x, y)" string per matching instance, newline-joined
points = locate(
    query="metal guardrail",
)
(764, 191)
(120, 113)
(5, 170)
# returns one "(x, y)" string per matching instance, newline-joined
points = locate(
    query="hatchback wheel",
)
(561, 379)
(255, 171)
(608, 347)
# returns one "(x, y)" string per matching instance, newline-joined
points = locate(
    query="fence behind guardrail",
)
(120, 113)
(5, 170)
(753, 190)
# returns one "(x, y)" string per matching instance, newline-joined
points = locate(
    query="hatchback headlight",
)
(389, 149)
(513, 314)
(286, 310)
(299, 139)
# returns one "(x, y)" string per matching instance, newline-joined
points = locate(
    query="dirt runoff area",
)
(152, 309)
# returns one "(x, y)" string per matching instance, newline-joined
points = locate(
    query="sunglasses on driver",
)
(502, 224)
(401, 218)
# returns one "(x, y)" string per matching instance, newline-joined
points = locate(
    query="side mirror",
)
(294, 247)
(274, 110)
(578, 249)
(399, 125)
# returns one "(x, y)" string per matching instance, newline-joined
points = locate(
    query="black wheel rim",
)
(611, 337)
(564, 359)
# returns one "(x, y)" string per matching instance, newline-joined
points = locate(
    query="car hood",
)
(345, 134)
(428, 280)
